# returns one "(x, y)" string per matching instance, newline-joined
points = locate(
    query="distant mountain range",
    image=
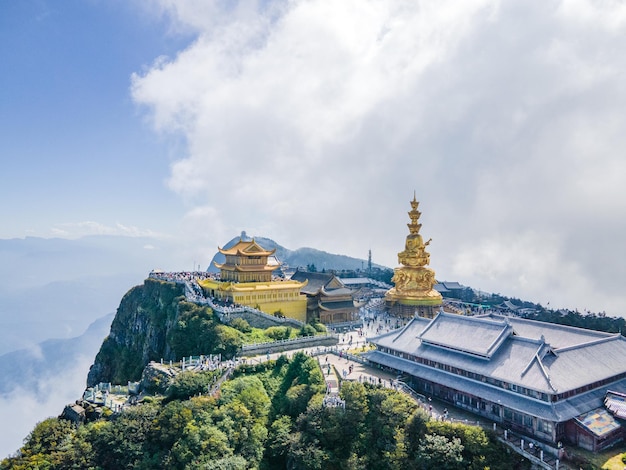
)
(300, 257)
(30, 368)
(54, 288)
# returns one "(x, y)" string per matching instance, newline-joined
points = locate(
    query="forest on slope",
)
(266, 416)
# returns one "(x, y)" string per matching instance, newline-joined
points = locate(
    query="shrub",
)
(278, 332)
(307, 330)
(241, 325)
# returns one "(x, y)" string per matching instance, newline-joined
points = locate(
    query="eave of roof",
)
(342, 291)
(246, 268)
(330, 306)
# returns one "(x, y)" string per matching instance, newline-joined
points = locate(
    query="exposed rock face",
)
(156, 377)
(139, 333)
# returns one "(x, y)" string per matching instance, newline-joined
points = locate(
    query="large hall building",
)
(544, 380)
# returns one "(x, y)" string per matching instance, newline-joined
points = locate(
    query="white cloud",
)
(23, 408)
(312, 122)
(85, 228)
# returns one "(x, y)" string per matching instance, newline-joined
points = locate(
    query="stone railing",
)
(327, 339)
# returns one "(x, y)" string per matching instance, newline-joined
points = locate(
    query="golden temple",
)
(246, 279)
(413, 293)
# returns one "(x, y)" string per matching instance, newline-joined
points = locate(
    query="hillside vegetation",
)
(266, 416)
(154, 322)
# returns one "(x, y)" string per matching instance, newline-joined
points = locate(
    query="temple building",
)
(246, 278)
(414, 292)
(328, 299)
(547, 381)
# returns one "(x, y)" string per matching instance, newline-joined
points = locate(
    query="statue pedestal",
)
(406, 305)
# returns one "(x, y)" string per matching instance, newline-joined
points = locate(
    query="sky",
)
(315, 122)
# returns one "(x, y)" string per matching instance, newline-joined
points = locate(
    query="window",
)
(544, 426)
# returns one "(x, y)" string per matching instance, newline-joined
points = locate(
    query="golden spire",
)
(414, 253)
(414, 215)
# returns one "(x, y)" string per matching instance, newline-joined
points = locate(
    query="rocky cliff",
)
(139, 332)
(154, 322)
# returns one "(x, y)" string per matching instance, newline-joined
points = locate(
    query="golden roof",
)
(249, 268)
(246, 248)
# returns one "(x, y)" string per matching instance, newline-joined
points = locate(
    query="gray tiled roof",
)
(316, 280)
(539, 356)
(325, 283)
(452, 285)
(342, 291)
(558, 412)
(558, 336)
(451, 331)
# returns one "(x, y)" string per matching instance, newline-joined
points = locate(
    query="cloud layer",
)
(313, 122)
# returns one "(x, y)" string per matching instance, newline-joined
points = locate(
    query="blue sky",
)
(75, 147)
(313, 122)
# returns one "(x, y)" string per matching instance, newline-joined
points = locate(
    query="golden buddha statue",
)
(413, 280)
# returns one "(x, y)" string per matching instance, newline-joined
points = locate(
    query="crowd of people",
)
(194, 293)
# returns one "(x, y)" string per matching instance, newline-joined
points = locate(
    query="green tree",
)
(170, 424)
(198, 442)
(415, 429)
(308, 455)
(473, 438)
(241, 325)
(188, 384)
(194, 332)
(278, 332)
(250, 392)
(117, 444)
(279, 441)
(355, 415)
(440, 452)
(45, 446)
(227, 341)
(235, 462)
(387, 413)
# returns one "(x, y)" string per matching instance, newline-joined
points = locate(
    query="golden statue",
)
(413, 280)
